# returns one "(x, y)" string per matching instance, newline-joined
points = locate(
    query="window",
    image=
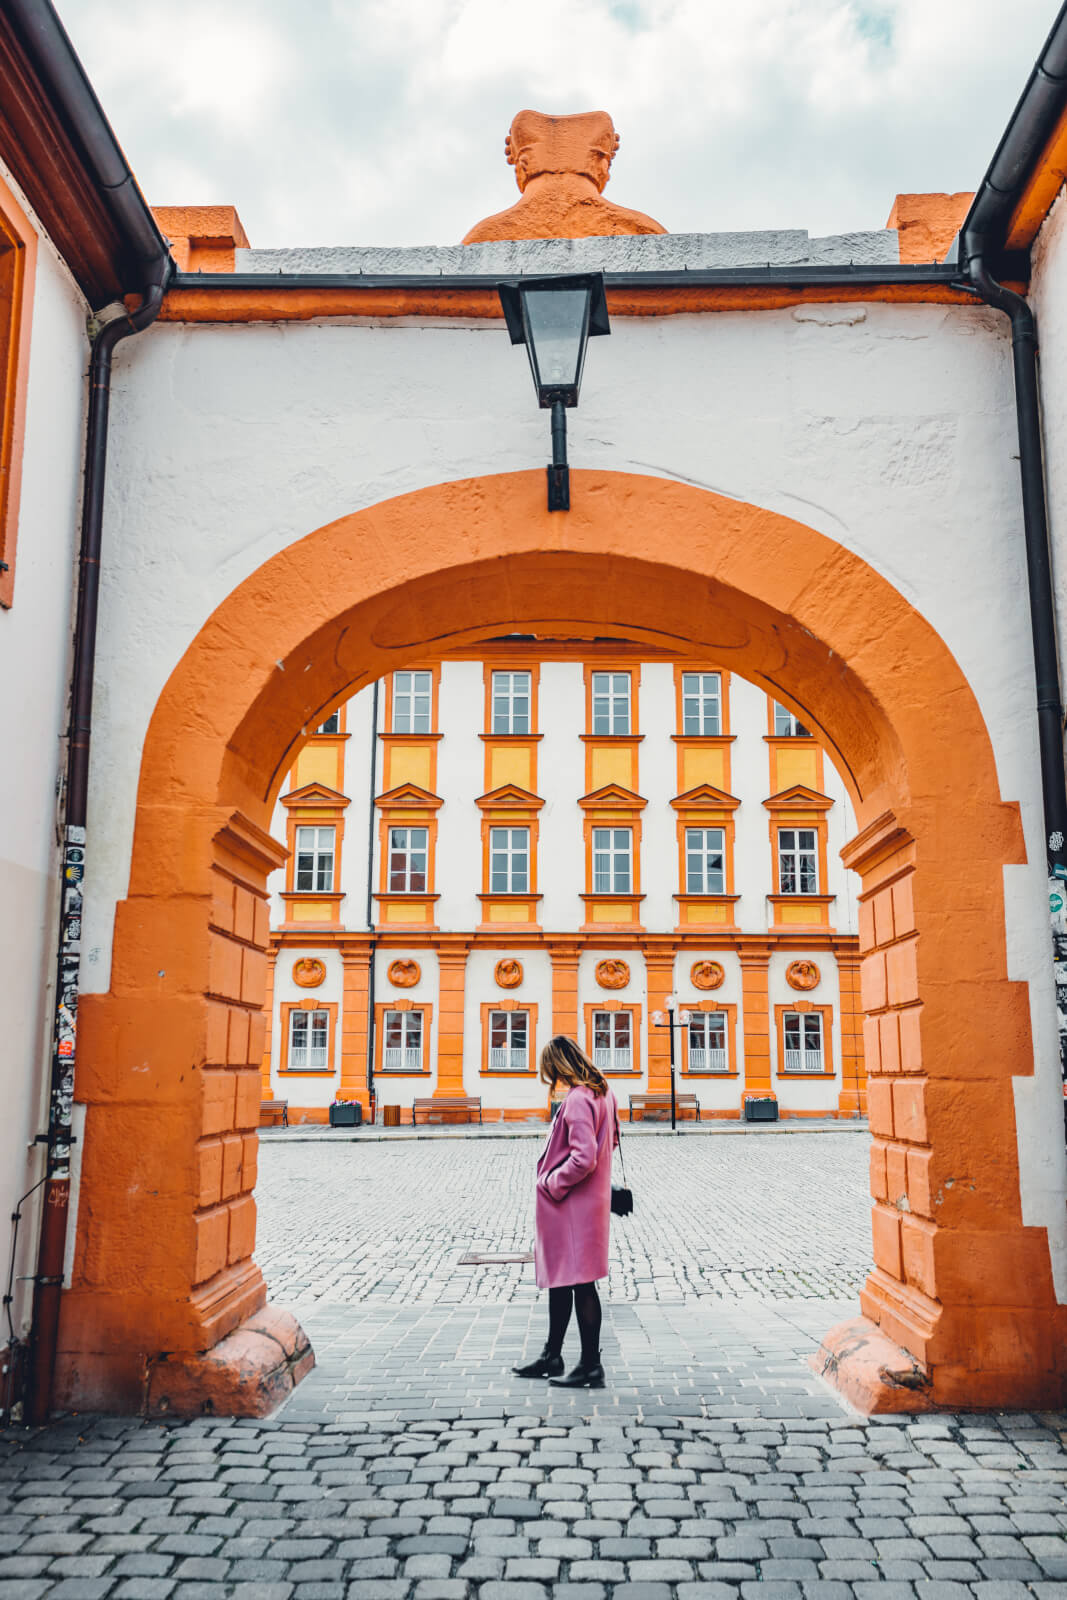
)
(408, 851)
(707, 1042)
(802, 1031)
(403, 1042)
(509, 1034)
(797, 862)
(511, 702)
(786, 725)
(701, 702)
(309, 1032)
(314, 860)
(612, 1044)
(332, 723)
(509, 860)
(411, 702)
(611, 702)
(705, 870)
(612, 860)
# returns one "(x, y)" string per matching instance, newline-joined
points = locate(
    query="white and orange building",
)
(553, 837)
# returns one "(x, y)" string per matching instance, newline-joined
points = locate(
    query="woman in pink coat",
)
(573, 1212)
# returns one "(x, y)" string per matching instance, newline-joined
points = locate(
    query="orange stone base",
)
(870, 1371)
(247, 1374)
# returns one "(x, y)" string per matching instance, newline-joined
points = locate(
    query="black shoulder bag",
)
(622, 1200)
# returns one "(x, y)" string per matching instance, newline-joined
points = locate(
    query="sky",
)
(382, 122)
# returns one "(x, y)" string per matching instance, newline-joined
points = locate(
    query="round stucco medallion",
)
(707, 975)
(309, 972)
(508, 973)
(613, 974)
(802, 975)
(404, 974)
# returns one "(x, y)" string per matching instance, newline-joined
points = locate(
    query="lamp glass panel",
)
(556, 322)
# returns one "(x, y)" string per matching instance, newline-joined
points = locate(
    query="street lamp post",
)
(554, 318)
(671, 1022)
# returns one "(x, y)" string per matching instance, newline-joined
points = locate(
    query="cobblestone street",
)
(411, 1465)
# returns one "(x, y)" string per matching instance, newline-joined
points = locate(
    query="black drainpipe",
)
(370, 891)
(51, 1249)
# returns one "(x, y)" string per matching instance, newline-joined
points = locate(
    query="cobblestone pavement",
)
(781, 1218)
(411, 1465)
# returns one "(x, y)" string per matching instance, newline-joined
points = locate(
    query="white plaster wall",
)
(460, 781)
(398, 1088)
(358, 817)
(658, 784)
(561, 780)
(888, 428)
(306, 1089)
(522, 1091)
(35, 669)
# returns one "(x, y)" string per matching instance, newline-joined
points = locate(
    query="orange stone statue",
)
(561, 166)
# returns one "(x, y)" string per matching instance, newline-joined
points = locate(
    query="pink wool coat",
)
(573, 1209)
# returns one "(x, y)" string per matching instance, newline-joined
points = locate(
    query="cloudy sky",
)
(383, 121)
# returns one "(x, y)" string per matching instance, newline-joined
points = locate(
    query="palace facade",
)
(555, 837)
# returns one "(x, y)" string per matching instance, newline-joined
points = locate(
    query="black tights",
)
(586, 1303)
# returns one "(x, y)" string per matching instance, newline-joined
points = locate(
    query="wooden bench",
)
(434, 1109)
(274, 1109)
(655, 1104)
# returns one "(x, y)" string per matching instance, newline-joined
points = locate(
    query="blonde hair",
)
(562, 1061)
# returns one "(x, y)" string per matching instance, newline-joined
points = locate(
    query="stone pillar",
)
(354, 1030)
(852, 1101)
(659, 968)
(452, 962)
(755, 1002)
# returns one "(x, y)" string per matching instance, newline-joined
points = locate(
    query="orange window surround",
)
(379, 1038)
(313, 806)
(286, 1010)
(711, 1006)
(611, 759)
(797, 809)
(703, 758)
(612, 808)
(530, 1070)
(18, 264)
(805, 1008)
(615, 1008)
(407, 807)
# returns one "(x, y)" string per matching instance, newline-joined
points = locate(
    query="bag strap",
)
(622, 1158)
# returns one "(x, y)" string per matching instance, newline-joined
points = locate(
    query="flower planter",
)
(349, 1115)
(761, 1108)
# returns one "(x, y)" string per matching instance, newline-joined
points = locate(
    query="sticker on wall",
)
(309, 972)
(508, 974)
(612, 974)
(802, 975)
(404, 974)
(707, 975)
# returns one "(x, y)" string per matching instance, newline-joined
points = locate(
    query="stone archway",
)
(168, 1058)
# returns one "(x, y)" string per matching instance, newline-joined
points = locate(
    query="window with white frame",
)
(309, 1036)
(802, 1032)
(411, 702)
(613, 1041)
(511, 702)
(509, 1041)
(798, 871)
(332, 723)
(408, 855)
(509, 860)
(611, 702)
(402, 1043)
(314, 860)
(701, 702)
(786, 725)
(613, 850)
(705, 861)
(707, 1042)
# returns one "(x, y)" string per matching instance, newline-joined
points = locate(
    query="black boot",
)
(586, 1375)
(547, 1365)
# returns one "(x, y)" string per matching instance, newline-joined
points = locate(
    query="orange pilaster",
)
(755, 995)
(268, 1024)
(354, 1025)
(452, 985)
(852, 1101)
(659, 968)
(565, 989)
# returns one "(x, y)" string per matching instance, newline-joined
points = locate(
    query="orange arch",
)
(958, 1282)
